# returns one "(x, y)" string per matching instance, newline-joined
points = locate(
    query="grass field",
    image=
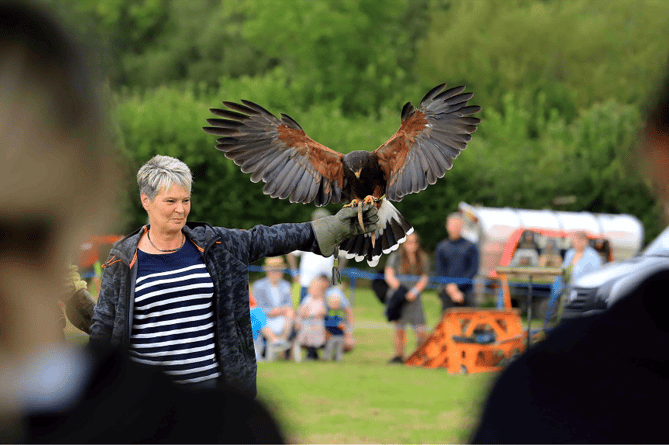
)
(365, 400)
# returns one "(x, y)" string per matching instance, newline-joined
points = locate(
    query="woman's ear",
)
(145, 201)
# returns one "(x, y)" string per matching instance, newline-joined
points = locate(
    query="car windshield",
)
(660, 246)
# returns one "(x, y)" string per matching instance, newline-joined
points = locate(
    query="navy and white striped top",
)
(173, 318)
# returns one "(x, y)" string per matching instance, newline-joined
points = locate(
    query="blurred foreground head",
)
(54, 181)
(655, 146)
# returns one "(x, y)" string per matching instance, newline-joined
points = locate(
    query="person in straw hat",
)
(273, 295)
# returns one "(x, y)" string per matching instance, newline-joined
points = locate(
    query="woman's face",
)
(411, 244)
(169, 210)
(579, 243)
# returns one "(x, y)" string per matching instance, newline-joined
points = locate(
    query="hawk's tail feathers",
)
(393, 231)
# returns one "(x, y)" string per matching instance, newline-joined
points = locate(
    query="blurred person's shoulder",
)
(125, 402)
(597, 374)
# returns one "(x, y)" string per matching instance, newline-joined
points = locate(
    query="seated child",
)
(311, 317)
(335, 326)
(347, 309)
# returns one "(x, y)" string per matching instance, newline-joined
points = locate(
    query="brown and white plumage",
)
(293, 166)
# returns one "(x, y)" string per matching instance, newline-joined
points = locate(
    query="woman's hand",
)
(391, 280)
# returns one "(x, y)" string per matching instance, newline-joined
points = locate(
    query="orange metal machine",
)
(471, 340)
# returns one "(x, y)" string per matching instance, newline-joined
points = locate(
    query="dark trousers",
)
(447, 303)
(312, 353)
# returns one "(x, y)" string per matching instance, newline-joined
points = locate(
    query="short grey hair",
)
(162, 172)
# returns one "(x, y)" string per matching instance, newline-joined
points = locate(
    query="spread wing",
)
(428, 141)
(278, 152)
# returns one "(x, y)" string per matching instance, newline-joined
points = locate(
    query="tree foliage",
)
(575, 52)
(563, 86)
(356, 52)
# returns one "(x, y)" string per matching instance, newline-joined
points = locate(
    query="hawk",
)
(293, 166)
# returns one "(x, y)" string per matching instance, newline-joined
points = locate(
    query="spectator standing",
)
(409, 259)
(78, 302)
(311, 314)
(456, 257)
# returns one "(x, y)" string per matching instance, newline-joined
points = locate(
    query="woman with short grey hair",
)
(175, 293)
(163, 172)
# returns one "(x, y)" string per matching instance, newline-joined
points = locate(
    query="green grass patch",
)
(319, 402)
(365, 400)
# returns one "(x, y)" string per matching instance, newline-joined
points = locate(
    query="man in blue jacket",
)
(456, 257)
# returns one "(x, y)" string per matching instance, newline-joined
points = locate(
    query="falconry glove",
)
(330, 231)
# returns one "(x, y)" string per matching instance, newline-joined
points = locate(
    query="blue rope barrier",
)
(354, 274)
(433, 283)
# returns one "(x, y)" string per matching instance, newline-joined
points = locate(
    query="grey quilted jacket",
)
(227, 254)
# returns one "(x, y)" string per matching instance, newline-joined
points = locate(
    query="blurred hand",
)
(455, 293)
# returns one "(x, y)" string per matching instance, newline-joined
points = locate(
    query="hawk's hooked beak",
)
(357, 174)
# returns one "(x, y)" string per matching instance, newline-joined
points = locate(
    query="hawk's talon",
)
(353, 203)
(371, 200)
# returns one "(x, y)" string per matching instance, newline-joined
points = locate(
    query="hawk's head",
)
(356, 161)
